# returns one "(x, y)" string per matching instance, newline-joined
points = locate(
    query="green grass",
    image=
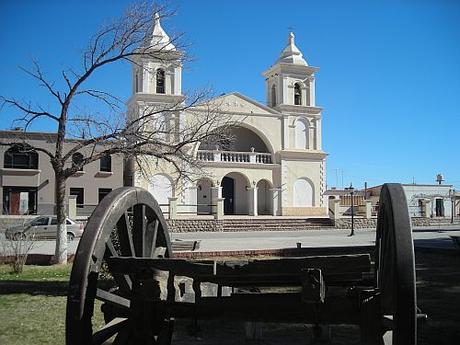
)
(31, 314)
(26, 319)
(37, 273)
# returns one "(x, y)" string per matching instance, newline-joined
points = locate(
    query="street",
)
(427, 237)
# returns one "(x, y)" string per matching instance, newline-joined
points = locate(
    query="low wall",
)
(192, 225)
(359, 223)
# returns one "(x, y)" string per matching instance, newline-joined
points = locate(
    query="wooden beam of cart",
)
(335, 269)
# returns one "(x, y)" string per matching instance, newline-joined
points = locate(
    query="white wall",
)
(204, 195)
(161, 189)
(301, 135)
(303, 193)
(429, 192)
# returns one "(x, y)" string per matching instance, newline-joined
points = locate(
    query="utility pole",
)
(352, 233)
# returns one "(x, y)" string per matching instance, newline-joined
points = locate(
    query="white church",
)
(275, 166)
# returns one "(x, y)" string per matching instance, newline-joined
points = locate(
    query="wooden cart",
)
(125, 260)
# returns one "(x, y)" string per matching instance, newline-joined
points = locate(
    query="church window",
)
(273, 95)
(297, 94)
(160, 81)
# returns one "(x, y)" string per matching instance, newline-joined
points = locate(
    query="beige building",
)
(276, 165)
(27, 178)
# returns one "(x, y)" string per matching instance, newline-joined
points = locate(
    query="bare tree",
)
(149, 133)
(16, 249)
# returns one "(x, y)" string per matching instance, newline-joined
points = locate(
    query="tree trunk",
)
(60, 256)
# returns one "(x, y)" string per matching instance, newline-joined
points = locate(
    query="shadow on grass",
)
(47, 288)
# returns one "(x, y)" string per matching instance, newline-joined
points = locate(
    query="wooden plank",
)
(239, 272)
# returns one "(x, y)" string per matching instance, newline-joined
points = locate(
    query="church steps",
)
(234, 225)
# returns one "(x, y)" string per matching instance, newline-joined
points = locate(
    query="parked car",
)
(44, 227)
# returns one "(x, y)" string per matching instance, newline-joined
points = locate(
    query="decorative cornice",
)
(300, 109)
(282, 68)
(156, 98)
(301, 154)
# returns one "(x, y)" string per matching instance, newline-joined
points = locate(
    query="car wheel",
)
(19, 236)
(70, 237)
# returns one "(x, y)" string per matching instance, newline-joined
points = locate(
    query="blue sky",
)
(389, 78)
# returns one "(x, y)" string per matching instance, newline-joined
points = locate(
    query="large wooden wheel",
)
(395, 266)
(128, 222)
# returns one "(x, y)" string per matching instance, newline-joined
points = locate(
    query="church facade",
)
(275, 166)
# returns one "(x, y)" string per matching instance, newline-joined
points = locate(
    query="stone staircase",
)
(276, 224)
(249, 224)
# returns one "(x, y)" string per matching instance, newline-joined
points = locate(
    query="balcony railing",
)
(234, 157)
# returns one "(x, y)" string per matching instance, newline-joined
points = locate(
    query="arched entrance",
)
(235, 194)
(264, 198)
(203, 196)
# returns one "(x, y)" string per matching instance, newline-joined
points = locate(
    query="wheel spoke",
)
(109, 330)
(124, 236)
(151, 238)
(109, 297)
(123, 280)
(139, 229)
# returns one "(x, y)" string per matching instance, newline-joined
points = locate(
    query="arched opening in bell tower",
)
(160, 81)
(297, 94)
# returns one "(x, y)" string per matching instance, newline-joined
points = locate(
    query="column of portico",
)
(276, 195)
(252, 197)
(216, 194)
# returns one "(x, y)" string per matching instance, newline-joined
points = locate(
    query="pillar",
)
(252, 198)
(275, 194)
(216, 194)
(172, 208)
(368, 209)
(72, 213)
(334, 209)
(219, 214)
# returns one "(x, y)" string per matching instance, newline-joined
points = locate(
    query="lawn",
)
(37, 273)
(32, 305)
